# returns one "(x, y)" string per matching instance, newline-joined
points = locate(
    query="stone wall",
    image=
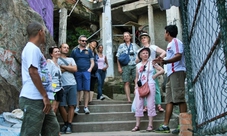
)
(14, 17)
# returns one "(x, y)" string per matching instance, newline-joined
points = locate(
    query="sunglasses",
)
(83, 40)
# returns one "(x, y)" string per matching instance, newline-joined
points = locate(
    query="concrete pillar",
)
(173, 17)
(151, 23)
(62, 26)
(107, 38)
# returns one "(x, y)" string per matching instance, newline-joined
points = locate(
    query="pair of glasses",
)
(83, 40)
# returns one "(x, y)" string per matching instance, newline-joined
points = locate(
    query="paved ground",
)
(119, 133)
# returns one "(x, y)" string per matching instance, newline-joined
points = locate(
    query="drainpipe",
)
(107, 37)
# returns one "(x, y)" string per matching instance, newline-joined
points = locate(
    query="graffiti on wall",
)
(45, 9)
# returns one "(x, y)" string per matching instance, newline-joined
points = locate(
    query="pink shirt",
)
(101, 62)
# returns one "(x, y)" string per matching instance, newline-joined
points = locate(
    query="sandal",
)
(136, 128)
(145, 110)
(149, 129)
(160, 109)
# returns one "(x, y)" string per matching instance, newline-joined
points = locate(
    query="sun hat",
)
(145, 34)
(145, 48)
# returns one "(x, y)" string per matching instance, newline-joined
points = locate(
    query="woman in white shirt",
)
(145, 73)
(55, 72)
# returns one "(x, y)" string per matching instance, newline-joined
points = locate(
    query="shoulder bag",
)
(144, 89)
(124, 58)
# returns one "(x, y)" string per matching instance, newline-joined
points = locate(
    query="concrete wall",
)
(159, 25)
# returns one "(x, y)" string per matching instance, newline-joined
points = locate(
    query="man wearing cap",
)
(175, 87)
(145, 40)
(85, 62)
(129, 71)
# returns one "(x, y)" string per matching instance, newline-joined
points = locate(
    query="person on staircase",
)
(68, 67)
(145, 73)
(92, 45)
(176, 73)
(36, 92)
(85, 62)
(145, 40)
(128, 71)
(56, 74)
(101, 74)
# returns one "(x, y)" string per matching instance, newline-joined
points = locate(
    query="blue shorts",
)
(69, 96)
(83, 80)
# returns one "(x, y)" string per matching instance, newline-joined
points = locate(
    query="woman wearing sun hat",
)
(145, 40)
(144, 68)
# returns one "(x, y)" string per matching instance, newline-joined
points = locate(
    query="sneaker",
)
(68, 130)
(63, 129)
(177, 130)
(86, 110)
(163, 129)
(76, 111)
(102, 98)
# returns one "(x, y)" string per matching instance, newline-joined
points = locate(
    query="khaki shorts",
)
(175, 88)
(129, 73)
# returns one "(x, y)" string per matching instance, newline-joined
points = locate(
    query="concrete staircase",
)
(112, 115)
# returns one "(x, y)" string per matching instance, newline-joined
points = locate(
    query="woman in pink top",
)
(101, 74)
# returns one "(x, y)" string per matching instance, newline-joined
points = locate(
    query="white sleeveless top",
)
(143, 75)
(101, 62)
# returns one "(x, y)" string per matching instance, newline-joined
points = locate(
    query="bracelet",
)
(164, 62)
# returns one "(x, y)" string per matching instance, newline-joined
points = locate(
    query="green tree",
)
(73, 35)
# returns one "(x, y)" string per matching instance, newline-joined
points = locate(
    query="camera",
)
(131, 53)
(139, 83)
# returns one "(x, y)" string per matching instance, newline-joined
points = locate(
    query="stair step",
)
(107, 108)
(110, 116)
(121, 133)
(106, 126)
(106, 101)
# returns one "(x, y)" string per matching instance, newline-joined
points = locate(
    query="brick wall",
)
(185, 121)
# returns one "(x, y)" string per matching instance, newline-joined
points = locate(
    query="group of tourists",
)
(58, 82)
(143, 68)
(63, 80)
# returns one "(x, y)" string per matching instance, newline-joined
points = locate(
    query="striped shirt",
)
(174, 47)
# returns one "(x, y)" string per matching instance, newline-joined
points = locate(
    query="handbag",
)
(144, 90)
(124, 58)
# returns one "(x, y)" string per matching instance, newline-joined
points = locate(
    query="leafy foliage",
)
(74, 34)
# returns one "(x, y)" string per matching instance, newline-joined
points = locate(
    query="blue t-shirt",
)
(82, 58)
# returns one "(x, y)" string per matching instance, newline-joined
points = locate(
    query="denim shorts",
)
(69, 96)
(83, 80)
